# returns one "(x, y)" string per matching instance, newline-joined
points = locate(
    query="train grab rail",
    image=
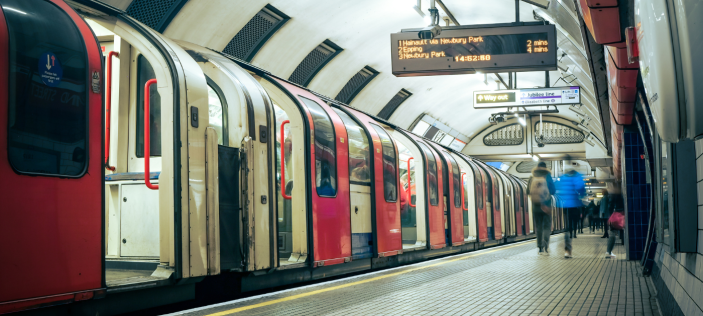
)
(410, 189)
(283, 162)
(463, 189)
(147, 134)
(108, 106)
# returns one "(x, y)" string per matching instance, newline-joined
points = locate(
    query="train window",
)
(325, 150)
(144, 73)
(359, 161)
(390, 180)
(218, 111)
(431, 174)
(479, 188)
(457, 181)
(48, 91)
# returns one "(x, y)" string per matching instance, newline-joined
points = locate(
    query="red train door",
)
(481, 188)
(495, 205)
(387, 235)
(51, 170)
(516, 202)
(329, 180)
(453, 202)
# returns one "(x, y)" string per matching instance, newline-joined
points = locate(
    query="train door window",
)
(456, 176)
(325, 150)
(144, 73)
(359, 172)
(390, 180)
(48, 111)
(217, 110)
(431, 174)
(285, 178)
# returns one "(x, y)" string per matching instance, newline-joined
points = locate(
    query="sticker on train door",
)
(50, 69)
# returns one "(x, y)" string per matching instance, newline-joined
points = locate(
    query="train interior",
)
(292, 218)
(360, 187)
(134, 235)
(412, 172)
(468, 199)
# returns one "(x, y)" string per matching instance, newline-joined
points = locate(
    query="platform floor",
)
(506, 280)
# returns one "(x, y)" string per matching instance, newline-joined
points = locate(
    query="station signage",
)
(527, 97)
(479, 48)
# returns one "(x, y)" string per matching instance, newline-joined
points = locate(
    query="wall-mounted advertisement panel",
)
(475, 48)
(527, 97)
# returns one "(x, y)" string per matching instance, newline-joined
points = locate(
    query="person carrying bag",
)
(540, 188)
(616, 222)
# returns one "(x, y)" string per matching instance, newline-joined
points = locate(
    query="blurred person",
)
(604, 213)
(616, 222)
(591, 215)
(540, 188)
(570, 188)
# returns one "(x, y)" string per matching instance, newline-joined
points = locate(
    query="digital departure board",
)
(471, 49)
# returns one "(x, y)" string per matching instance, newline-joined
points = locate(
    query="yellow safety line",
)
(297, 296)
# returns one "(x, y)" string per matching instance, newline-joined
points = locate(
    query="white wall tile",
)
(700, 192)
(699, 168)
(700, 217)
(699, 147)
(700, 241)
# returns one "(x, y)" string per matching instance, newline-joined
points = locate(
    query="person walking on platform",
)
(616, 222)
(591, 214)
(540, 188)
(570, 189)
(604, 213)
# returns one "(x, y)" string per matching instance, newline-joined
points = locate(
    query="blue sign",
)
(50, 69)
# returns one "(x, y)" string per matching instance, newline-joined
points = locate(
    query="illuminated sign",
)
(471, 49)
(527, 97)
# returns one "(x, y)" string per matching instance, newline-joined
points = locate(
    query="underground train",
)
(144, 170)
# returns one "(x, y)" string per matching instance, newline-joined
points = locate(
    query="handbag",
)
(616, 221)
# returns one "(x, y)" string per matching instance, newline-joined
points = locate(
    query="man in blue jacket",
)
(570, 188)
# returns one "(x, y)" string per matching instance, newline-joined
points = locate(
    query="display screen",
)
(527, 97)
(474, 48)
(491, 48)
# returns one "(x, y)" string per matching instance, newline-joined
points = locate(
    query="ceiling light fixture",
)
(535, 157)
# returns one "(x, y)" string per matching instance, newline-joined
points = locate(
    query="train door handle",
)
(410, 193)
(108, 106)
(283, 162)
(147, 135)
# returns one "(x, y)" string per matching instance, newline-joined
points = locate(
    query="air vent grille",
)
(394, 103)
(255, 33)
(356, 84)
(555, 133)
(156, 14)
(313, 62)
(527, 166)
(509, 135)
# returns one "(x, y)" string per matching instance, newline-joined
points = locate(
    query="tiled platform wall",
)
(679, 278)
(637, 193)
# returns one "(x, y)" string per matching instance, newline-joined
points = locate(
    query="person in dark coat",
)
(542, 220)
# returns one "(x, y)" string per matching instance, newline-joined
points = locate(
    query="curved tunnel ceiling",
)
(362, 30)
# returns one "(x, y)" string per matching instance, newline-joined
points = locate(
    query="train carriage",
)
(199, 172)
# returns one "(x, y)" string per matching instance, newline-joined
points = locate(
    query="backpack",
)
(539, 191)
